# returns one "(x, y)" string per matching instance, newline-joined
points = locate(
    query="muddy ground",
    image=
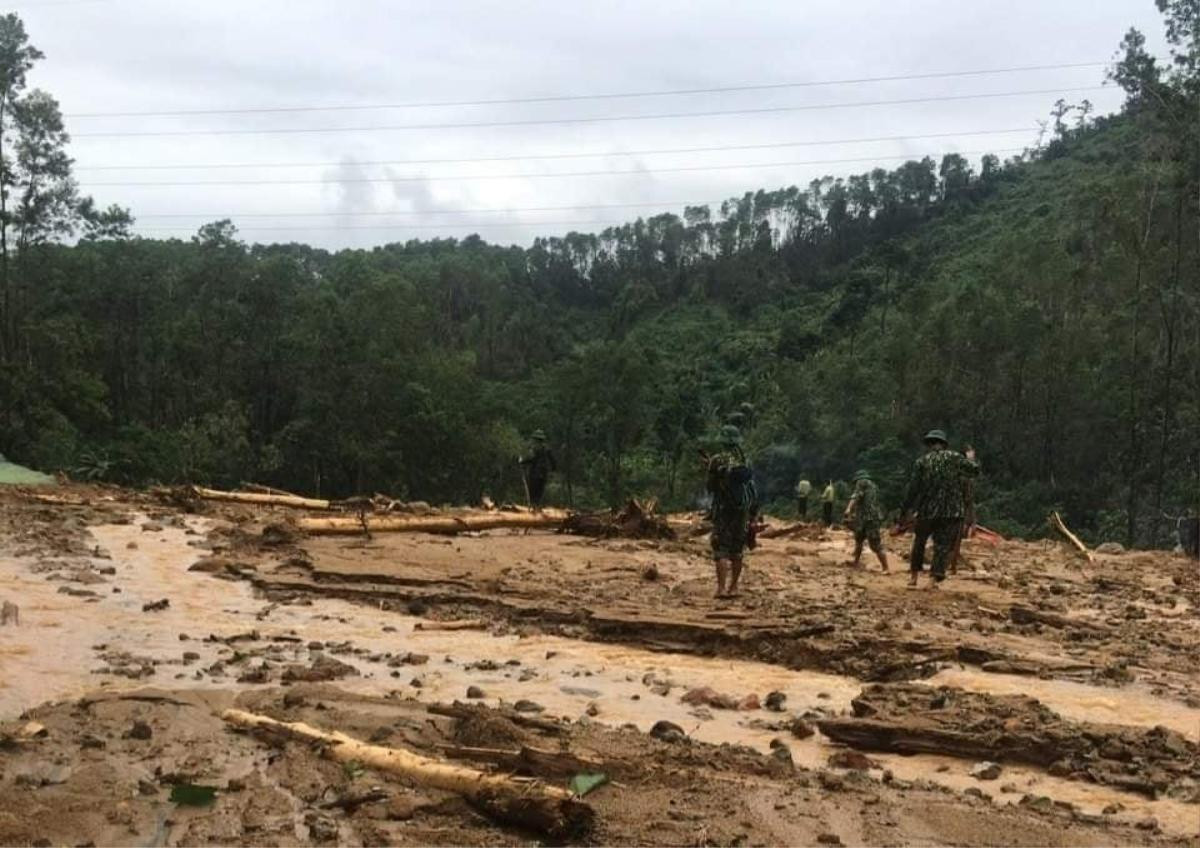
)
(581, 645)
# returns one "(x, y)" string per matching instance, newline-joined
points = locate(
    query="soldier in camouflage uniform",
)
(734, 504)
(536, 468)
(935, 494)
(865, 515)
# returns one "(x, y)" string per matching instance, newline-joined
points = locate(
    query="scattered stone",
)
(775, 701)
(801, 729)
(526, 706)
(593, 709)
(829, 839)
(236, 784)
(190, 657)
(976, 792)
(140, 730)
(155, 606)
(853, 760)
(986, 771)
(862, 709)
(323, 668)
(152, 527)
(666, 731)
(147, 787)
(650, 573)
(782, 754)
(474, 692)
(1148, 824)
(1110, 548)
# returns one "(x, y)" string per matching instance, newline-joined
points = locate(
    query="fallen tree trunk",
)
(262, 499)
(441, 524)
(1079, 546)
(529, 803)
(1025, 615)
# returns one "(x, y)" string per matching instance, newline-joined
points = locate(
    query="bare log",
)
(459, 624)
(259, 488)
(1057, 521)
(262, 499)
(530, 803)
(440, 524)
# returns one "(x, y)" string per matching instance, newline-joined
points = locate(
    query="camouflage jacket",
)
(731, 496)
(864, 504)
(935, 488)
(540, 462)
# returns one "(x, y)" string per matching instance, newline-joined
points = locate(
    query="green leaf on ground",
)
(584, 782)
(192, 795)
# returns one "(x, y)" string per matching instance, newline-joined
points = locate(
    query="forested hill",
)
(1045, 309)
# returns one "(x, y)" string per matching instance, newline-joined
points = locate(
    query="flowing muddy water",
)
(64, 640)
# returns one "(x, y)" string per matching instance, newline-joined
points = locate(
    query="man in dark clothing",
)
(730, 483)
(935, 494)
(537, 467)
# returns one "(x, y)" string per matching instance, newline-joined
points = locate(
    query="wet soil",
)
(611, 636)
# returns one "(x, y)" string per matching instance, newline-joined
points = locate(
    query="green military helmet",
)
(862, 474)
(539, 435)
(731, 435)
(936, 436)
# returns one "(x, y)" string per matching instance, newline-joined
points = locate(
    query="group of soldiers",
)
(935, 505)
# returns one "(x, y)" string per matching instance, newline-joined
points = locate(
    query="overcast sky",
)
(106, 56)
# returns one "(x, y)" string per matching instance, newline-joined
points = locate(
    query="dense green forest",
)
(1045, 309)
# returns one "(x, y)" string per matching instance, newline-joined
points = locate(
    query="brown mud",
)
(580, 646)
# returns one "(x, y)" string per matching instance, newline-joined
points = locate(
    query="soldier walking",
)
(537, 467)
(865, 514)
(730, 482)
(935, 495)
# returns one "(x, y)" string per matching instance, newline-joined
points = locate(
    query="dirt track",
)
(608, 633)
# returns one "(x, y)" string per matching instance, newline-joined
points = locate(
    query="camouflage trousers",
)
(944, 532)
(729, 534)
(868, 532)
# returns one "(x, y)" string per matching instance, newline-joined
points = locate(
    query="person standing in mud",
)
(827, 498)
(935, 495)
(865, 515)
(536, 468)
(730, 483)
(803, 490)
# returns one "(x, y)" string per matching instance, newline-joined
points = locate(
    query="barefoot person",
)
(935, 494)
(537, 467)
(865, 515)
(734, 503)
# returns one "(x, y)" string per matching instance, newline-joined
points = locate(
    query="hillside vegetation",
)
(1045, 309)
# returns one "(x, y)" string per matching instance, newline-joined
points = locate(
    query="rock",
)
(862, 709)
(975, 792)
(801, 729)
(593, 709)
(750, 702)
(986, 771)
(939, 701)
(139, 730)
(147, 787)
(830, 781)
(829, 839)
(155, 606)
(650, 573)
(1112, 809)
(94, 742)
(526, 706)
(417, 607)
(853, 760)
(666, 731)
(323, 668)
(190, 657)
(321, 828)
(782, 754)
(416, 683)
(293, 699)
(775, 701)
(474, 692)
(1148, 824)
(316, 646)
(152, 527)
(1110, 548)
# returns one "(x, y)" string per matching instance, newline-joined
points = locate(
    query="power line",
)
(531, 157)
(405, 227)
(561, 98)
(210, 216)
(587, 120)
(553, 175)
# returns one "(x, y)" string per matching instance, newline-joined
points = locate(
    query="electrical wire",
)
(561, 98)
(908, 101)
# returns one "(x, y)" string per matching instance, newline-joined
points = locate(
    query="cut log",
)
(1079, 546)
(259, 488)
(439, 524)
(1025, 615)
(529, 803)
(262, 499)
(461, 624)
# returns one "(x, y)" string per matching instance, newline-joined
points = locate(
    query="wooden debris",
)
(636, 520)
(439, 524)
(460, 711)
(527, 760)
(461, 624)
(262, 499)
(529, 803)
(1025, 615)
(1057, 521)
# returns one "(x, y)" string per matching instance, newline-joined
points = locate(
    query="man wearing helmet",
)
(935, 494)
(730, 483)
(537, 467)
(865, 515)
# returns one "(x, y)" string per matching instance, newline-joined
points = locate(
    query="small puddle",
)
(51, 656)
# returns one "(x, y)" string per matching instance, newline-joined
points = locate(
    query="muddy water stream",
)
(63, 641)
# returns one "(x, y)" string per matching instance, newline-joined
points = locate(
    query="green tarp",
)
(12, 474)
